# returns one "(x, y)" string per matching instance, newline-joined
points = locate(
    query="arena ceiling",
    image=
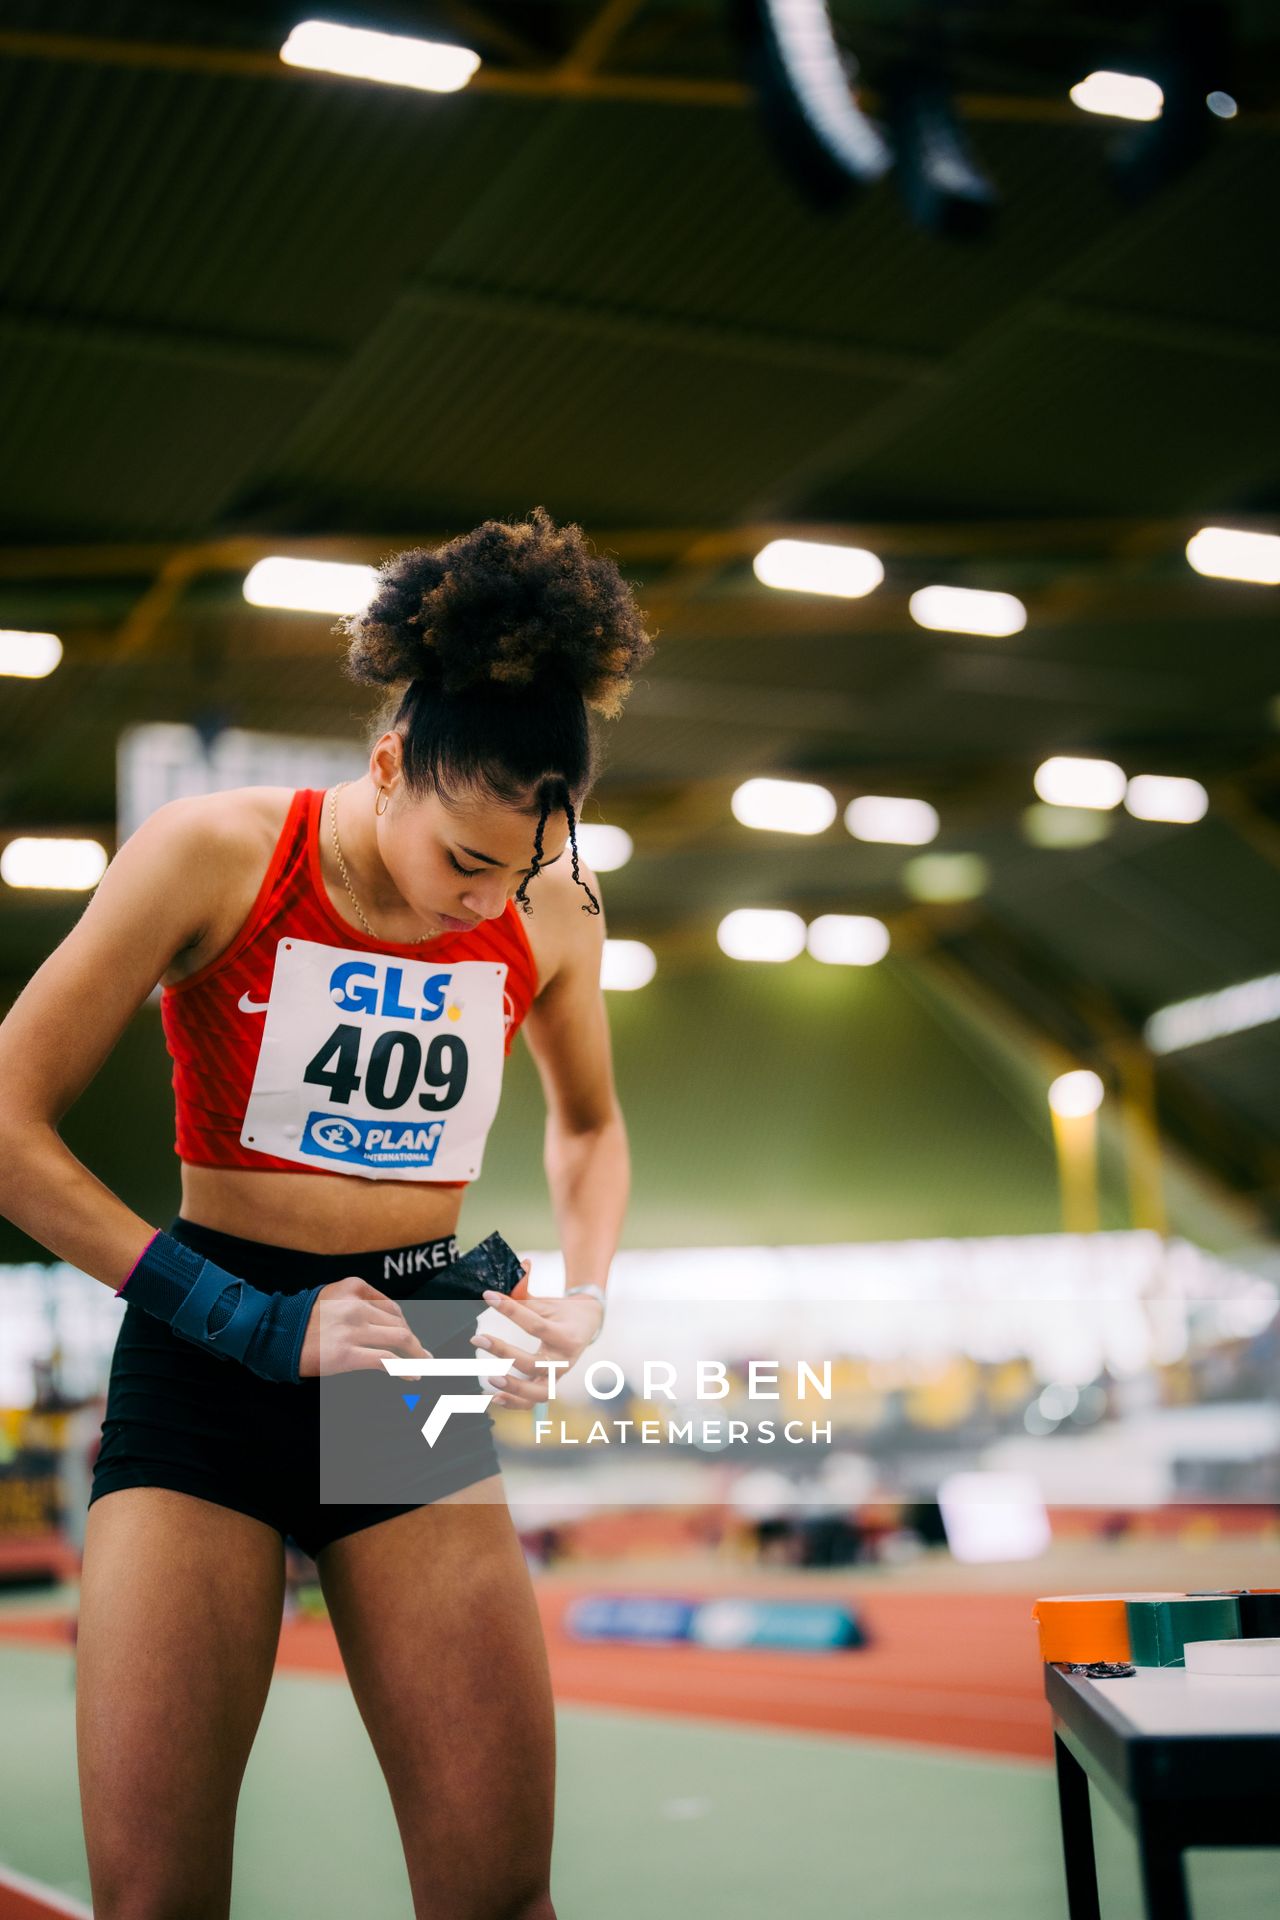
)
(244, 310)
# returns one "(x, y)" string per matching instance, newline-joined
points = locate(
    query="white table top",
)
(1167, 1700)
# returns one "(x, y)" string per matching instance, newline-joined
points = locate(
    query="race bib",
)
(390, 1069)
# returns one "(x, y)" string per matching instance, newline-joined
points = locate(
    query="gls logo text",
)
(447, 1403)
(362, 986)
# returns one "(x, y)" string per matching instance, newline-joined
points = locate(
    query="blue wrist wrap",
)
(215, 1310)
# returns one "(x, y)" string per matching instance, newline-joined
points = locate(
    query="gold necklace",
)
(346, 877)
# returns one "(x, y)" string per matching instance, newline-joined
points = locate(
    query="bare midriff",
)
(319, 1212)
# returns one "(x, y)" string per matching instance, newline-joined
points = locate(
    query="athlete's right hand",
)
(352, 1327)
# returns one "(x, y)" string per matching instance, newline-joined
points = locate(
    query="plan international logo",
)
(373, 1143)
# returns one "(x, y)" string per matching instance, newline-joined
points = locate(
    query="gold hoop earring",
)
(380, 804)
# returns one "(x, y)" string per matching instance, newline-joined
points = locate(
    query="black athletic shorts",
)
(180, 1417)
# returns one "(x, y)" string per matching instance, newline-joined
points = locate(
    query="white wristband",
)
(596, 1293)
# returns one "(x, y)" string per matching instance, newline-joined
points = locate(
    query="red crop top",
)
(309, 1047)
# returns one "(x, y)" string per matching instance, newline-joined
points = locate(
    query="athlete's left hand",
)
(562, 1328)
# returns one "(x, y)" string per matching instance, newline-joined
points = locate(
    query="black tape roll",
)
(1259, 1616)
(491, 1265)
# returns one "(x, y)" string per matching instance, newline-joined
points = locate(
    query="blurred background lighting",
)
(807, 566)
(1067, 781)
(902, 823)
(761, 933)
(1253, 1003)
(604, 848)
(1229, 553)
(28, 656)
(626, 965)
(848, 939)
(1222, 104)
(1058, 1400)
(784, 806)
(1059, 827)
(1121, 96)
(1156, 796)
(803, 78)
(66, 866)
(396, 59)
(1072, 1095)
(944, 877)
(967, 610)
(1090, 1406)
(993, 1516)
(309, 586)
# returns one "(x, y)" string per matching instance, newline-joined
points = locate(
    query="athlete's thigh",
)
(439, 1630)
(180, 1606)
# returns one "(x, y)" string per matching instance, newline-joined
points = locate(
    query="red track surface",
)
(23, 1899)
(952, 1670)
(949, 1670)
(24, 1906)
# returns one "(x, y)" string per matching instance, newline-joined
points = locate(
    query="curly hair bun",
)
(506, 605)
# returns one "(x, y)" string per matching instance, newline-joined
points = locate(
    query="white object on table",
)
(1242, 1658)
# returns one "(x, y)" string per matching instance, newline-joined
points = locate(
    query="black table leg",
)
(1077, 1835)
(1164, 1885)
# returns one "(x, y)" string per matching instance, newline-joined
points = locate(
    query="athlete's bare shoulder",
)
(222, 826)
(224, 842)
(560, 933)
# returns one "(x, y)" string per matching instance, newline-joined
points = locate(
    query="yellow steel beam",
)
(565, 81)
(694, 558)
(494, 33)
(957, 981)
(1140, 1131)
(1256, 828)
(1075, 1143)
(261, 63)
(1098, 537)
(594, 42)
(141, 623)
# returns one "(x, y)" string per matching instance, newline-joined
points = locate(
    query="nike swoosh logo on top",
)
(246, 1005)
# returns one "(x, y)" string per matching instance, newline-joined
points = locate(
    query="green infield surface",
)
(657, 1814)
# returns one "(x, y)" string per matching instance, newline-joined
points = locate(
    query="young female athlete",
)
(341, 974)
